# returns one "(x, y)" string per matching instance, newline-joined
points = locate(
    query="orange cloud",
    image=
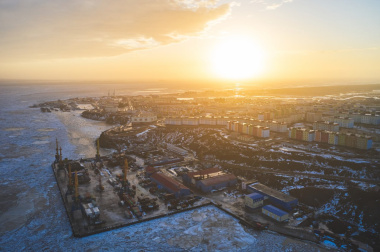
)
(67, 28)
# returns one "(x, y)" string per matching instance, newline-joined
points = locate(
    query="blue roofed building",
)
(275, 213)
(253, 201)
(277, 198)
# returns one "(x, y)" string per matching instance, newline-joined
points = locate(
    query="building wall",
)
(251, 204)
(324, 137)
(221, 121)
(326, 126)
(265, 132)
(275, 216)
(205, 188)
(144, 119)
(363, 118)
(318, 136)
(342, 139)
(178, 194)
(285, 205)
(248, 129)
(190, 121)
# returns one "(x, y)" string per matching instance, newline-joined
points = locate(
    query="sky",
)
(188, 41)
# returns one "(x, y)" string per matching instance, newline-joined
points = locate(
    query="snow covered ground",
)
(32, 215)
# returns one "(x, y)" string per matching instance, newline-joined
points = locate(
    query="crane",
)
(125, 172)
(97, 150)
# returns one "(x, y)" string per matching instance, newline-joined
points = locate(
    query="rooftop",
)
(203, 172)
(218, 179)
(255, 196)
(274, 210)
(168, 182)
(272, 192)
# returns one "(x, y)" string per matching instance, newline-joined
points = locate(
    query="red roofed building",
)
(149, 170)
(209, 179)
(169, 184)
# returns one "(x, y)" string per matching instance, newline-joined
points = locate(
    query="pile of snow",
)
(212, 231)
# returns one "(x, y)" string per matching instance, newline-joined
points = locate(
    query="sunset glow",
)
(191, 41)
(237, 59)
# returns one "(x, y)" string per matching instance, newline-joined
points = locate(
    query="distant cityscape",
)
(271, 162)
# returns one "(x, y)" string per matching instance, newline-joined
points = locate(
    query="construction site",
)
(100, 195)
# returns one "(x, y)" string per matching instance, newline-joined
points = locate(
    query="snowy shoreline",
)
(83, 133)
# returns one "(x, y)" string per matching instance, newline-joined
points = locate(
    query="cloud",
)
(331, 51)
(271, 4)
(99, 28)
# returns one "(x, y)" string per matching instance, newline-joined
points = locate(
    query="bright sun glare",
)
(237, 59)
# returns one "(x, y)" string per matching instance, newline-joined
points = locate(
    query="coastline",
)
(82, 133)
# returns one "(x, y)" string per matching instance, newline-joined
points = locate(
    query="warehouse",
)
(253, 201)
(209, 179)
(170, 185)
(277, 198)
(275, 213)
(149, 170)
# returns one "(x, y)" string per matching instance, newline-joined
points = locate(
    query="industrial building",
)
(170, 185)
(149, 170)
(277, 198)
(275, 213)
(253, 201)
(209, 179)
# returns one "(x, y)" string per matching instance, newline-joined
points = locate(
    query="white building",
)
(190, 121)
(144, 118)
(173, 121)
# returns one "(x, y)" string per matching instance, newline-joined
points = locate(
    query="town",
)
(297, 166)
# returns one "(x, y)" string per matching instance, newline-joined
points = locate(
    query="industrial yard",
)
(118, 190)
(99, 197)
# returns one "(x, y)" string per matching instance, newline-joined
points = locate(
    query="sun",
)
(237, 59)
